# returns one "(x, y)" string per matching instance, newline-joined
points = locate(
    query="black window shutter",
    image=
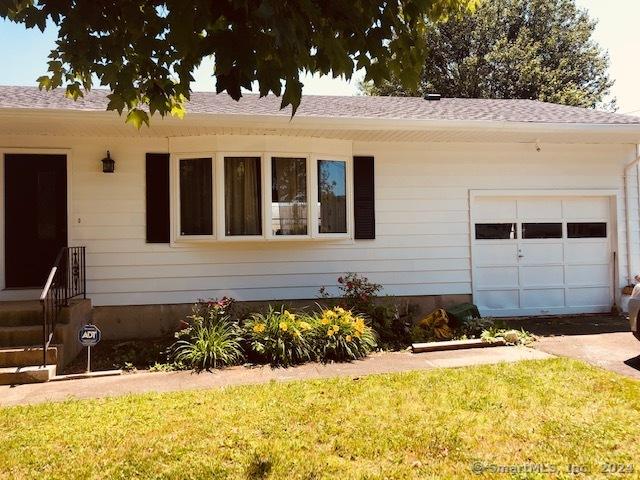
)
(158, 229)
(364, 198)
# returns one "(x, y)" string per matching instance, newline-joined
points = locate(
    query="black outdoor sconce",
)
(108, 164)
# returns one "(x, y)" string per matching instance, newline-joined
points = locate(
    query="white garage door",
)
(541, 255)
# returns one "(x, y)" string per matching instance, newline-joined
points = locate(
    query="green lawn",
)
(432, 424)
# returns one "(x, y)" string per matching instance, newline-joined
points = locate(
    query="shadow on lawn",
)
(633, 363)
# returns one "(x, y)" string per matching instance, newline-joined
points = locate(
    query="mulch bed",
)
(122, 354)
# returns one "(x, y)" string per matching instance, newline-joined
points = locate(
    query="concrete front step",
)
(16, 314)
(26, 356)
(20, 336)
(28, 374)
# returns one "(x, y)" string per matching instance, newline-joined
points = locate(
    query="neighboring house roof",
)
(348, 107)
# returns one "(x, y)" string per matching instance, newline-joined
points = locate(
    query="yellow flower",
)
(336, 327)
(284, 326)
(348, 338)
(258, 327)
(340, 310)
(324, 321)
(289, 316)
(305, 326)
(330, 333)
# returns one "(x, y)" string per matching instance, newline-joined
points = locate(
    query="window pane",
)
(541, 230)
(289, 196)
(196, 197)
(332, 196)
(496, 231)
(587, 230)
(242, 196)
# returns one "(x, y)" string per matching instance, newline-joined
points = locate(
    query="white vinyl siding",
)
(422, 245)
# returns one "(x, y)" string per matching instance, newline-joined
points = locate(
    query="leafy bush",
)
(279, 337)
(473, 327)
(339, 335)
(208, 339)
(391, 323)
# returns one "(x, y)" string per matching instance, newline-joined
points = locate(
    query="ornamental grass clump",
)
(340, 336)
(208, 339)
(279, 337)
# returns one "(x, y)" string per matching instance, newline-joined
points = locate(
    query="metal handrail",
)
(67, 280)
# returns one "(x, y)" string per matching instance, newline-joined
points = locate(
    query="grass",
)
(431, 424)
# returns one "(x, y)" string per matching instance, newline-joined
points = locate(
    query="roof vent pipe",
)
(432, 97)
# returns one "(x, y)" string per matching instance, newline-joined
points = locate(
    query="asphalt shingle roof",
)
(358, 107)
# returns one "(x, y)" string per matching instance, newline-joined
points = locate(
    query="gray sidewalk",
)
(176, 381)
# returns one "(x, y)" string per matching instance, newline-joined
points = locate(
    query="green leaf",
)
(137, 118)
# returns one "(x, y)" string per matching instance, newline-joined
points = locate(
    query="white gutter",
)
(630, 272)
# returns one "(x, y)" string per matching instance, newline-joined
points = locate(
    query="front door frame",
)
(28, 293)
(615, 218)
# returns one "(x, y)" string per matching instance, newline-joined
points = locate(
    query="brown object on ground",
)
(454, 345)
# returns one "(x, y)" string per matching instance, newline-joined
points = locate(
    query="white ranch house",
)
(524, 207)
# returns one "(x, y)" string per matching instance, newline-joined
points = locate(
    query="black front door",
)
(35, 212)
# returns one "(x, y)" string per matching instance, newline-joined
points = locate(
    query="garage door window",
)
(587, 230)
(541, 230)
(496, 231)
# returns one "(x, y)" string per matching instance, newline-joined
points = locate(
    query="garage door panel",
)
(586, 208)
(496, 254)
(560, 262)
(497, 276)
(584, 252)
(497, 299)
(534, 276)
(495, 209)
(541, 253)
(540, 208)
(542, 298)
(588, 296)
(585, 275)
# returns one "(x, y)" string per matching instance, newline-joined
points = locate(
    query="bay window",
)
(255, 195)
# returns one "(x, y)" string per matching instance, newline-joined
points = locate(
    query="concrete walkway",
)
(176, 381)
(616, 351)
(601, 340)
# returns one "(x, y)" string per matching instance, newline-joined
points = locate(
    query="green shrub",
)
(208, 340)
(339, 335)
(279, 337)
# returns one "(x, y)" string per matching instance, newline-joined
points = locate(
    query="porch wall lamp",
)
(108, 164)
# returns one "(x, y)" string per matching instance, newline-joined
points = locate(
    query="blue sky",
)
(24, 55)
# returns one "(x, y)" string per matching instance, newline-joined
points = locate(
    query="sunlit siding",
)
(422, 213)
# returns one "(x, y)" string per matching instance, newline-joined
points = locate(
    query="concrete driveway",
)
(604, 341)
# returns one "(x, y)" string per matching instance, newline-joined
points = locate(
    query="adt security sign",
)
(89, 335)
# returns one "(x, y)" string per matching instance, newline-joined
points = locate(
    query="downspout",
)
(630, 273)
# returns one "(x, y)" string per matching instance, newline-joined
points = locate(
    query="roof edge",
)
(353, 123)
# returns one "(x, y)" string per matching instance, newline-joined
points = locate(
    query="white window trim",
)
(176, 236)
(219, 227)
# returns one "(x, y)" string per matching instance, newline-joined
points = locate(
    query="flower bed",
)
(211, 338)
